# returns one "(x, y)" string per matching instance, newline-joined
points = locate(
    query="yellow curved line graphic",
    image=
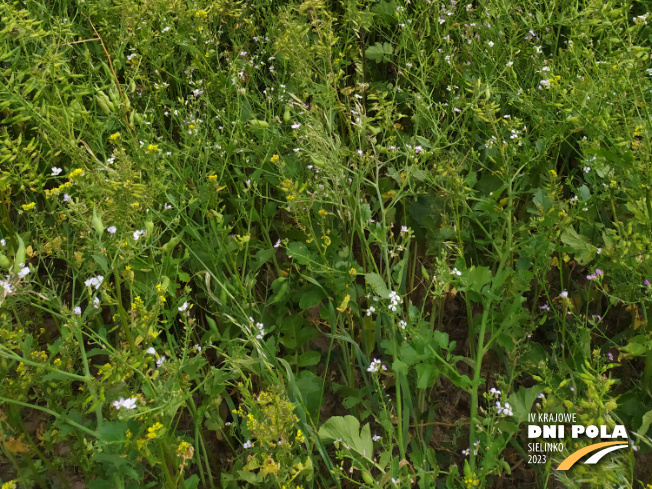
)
(574, 457)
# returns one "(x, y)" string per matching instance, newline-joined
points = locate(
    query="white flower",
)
(138, 234)
(402, 324)
(3, 242)
(376, 365)
(371, 310)
(457, 272)
(376, 438)
(198, 348)
(23, 272)
(296, 126)
(183, 307)
(6, 285)
(586, 169)
(77, 311)
(247, 444)
(55, 171)
(167, 207)
(111, 229)
(94, 282)
(491, 44)
(151, 350)
(563, 294)
(545, 83)
(160, 361)
(96, 302)
(125, 403)
(66, 198)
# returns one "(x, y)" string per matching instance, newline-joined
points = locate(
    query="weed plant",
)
(316, 244)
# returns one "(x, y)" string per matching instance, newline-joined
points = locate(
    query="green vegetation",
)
(322, 244)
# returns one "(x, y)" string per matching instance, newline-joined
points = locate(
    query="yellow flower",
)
(274, 158)
(353, 271)
(153, 431)
(29, 207)
(114, 136)
(152, 147)
(212, 177)
(322, 213)
(327, 241)
(75, 173)
(553, 173)
(135, 205)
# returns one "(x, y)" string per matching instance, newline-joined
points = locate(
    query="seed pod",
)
(4, 262)
(97, 223)
(100, 101)
(286, 114)
(21, 255)
(258, 123)
(171, 244)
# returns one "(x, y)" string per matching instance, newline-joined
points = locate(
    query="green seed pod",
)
(286, 114)
(4, 262)
(20, 254)
(171, 244)
(97, 223)
(367, 477)
(258, 123)
(105, 109)
(149, 225)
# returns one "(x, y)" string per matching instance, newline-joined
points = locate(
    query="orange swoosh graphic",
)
(574, 457)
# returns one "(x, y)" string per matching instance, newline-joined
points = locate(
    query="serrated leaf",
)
(379, 52)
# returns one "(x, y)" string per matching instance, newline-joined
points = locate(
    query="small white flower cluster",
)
(371, 310)
(456, 272)
(159, 360)
(505, 410)
(260, 326)
(495, 392)
(183, 307)
(247, 444)
(375, 366)
(376, 438)
(467, 451)
(396, 301)
(139, 233)
(94, 282)
(125, 403)
(540, 396)
(23, 272)
(402, 324)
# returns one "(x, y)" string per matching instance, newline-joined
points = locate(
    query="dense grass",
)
(287, 244)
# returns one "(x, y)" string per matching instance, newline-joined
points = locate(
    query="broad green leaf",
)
(377, 284)
(346, 429)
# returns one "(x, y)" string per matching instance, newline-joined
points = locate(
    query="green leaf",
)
(309, 358)
(645, 425)
(521, 402)
(478, 277)
(377, 284)
(300, 253)
(386, 11)
(379, 52)
(579, 245)
(347, 430)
